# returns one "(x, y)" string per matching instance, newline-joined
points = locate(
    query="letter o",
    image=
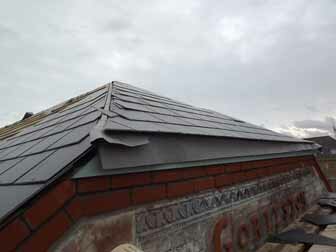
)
(219, 227)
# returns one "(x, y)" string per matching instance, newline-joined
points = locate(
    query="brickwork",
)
(46, 218)
(328, 166)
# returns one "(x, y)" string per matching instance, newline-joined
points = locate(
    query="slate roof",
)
(134, 109)
(328, 143)
(36, 150)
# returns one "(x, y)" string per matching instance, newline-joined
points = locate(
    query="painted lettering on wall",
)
(259, 226)
(236, 218)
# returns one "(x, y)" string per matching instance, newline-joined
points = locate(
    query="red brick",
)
(251, 175)
(149, 194)
(74, 208)
(12, 234)
(215, 170)
(264, 172)
(194, 173)
(249, 165)
(223, 180)
(238, 177)
(93, 184)
(180, 188)
(233, 167)
(49, 203)
(283, 168)
(257, 164)
(129, 180)
(278, 169)
(47, 234)
(105, 202)
(204, 184)
(167, 176)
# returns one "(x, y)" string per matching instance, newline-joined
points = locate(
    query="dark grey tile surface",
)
(15, 195)
(22, 167)
(32, 157)
(144, 111)
(40, 151)
(55, 163)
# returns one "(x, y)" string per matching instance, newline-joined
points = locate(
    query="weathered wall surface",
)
(224, 207)
(251, 212)
(236, 218)
(328, 166)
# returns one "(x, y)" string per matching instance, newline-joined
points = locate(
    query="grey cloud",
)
(309, 128)
(326, 124)
(266, 62)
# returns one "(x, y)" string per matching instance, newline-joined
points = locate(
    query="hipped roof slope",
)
(37, 150)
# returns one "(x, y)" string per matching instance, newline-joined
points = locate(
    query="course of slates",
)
(35, 150)
(139, 110)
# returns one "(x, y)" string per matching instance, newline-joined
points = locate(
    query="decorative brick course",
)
(167, 176)
(49, 203)
(93, 184)
(194, 173)
(223, 180)
(204, 184)
(238, 177)
(178, 189)
(233, 167)
(251, 175)
(215, 169)
(12, 234)
(47, 234)
(129, 180)
(149, 194)
(105, 202)
(74, 209)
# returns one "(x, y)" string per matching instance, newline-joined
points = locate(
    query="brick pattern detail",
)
(49, 203)
(203, 184)
(223, 180)
(12, 234)
(93, 184)
(105, 202)
(178, 189)
(149, 194)
(47, 234)
(167, 176)
(130, 180)
(56, 210)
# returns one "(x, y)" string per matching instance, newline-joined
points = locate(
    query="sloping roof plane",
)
(134, 123)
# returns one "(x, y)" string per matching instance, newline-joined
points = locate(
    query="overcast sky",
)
(272, 63)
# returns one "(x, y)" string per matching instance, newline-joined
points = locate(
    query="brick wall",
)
(328, 166)
(47, 218)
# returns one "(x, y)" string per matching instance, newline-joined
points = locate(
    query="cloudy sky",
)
(272, 63)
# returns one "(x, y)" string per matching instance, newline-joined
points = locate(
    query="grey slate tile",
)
(45, 143)
(13, 197)
(73, 136)
(23, 166)
(55, 163)
(5, 165)
(144, 111)
(20, 149)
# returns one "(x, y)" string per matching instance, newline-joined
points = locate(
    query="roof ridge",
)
(97, 131)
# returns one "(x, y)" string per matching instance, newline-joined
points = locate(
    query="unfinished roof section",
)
(133, 130)
(35, 150)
